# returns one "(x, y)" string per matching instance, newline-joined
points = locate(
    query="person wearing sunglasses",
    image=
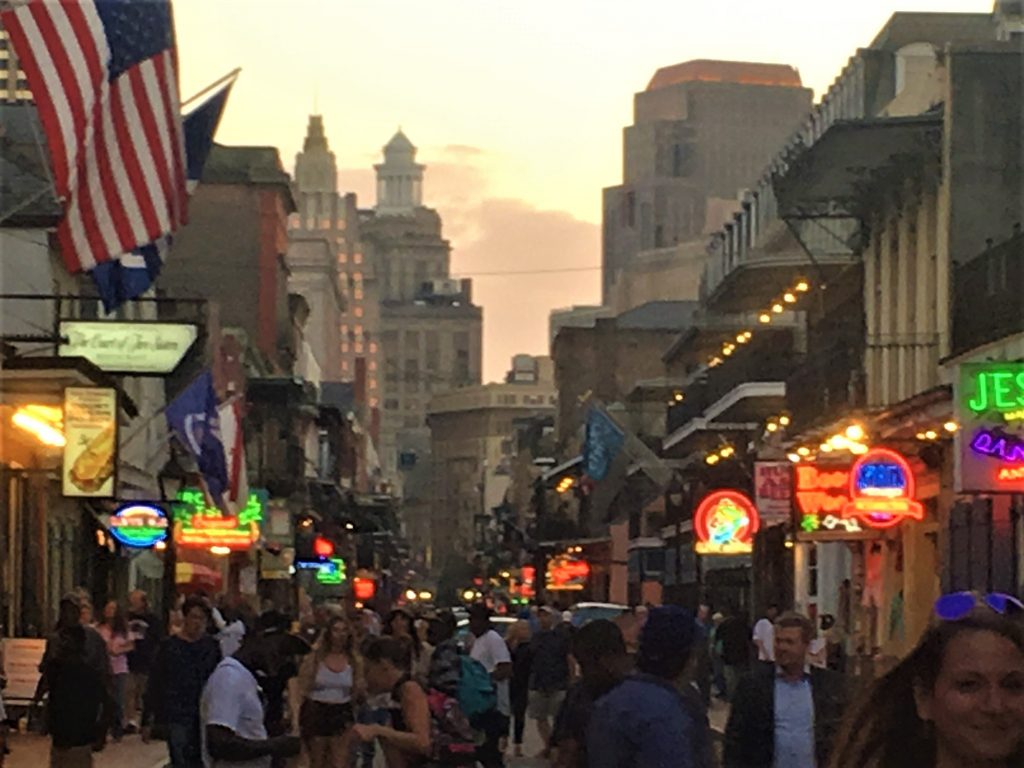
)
(957, 701)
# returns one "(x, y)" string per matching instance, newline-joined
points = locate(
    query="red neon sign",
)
(323, 547)
(567, 574)
(882, 490)
(364, 589)
(725, 523)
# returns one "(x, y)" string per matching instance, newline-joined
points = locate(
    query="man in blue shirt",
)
(787, 716)
(645, 722)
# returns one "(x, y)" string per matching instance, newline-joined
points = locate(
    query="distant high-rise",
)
(399, 178)
(701, 131)
(13, 84)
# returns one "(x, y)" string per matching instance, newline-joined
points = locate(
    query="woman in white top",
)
(330, 682)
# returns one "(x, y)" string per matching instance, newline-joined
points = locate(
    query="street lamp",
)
(171, 479)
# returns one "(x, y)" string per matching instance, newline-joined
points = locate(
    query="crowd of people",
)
(224, 689)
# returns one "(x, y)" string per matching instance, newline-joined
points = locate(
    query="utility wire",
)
(515, 273)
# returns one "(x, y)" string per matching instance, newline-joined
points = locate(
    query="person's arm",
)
(153, 696)
(416, 712)
(502, 659)
(737, 726)
(224, 744)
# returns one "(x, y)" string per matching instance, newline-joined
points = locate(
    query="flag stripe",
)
(151, 188)
(172, 117)
(35, 60)
(158, 108)
(119, 180)
(151, 139)
(130, 161)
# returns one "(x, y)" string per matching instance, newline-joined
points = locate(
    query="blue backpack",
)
(477, 694)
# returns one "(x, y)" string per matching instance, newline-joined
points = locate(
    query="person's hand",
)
(366, 732)
(287, 746)
(147, 734)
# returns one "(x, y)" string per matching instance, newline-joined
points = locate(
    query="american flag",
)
(104, 75)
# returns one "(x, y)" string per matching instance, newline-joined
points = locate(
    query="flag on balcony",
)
(129, 276)
(104, 76)
(194, 420)
(603, 442)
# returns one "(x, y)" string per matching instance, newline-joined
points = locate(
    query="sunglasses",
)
(959, 605)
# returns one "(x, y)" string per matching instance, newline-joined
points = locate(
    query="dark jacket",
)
(176, 680)
(750, 733)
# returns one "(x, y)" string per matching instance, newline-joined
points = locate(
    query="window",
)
(412, 370)
(373, 348)
(373, 382)
(412, 339)
(344, 348)
(344, 366)
(357, 258)
(678, 160)
(359, 331)
(358, 349)
(373, 365)
(342, 258)
(629, 209)
(358, 294)
(390, 404)
(358, 311)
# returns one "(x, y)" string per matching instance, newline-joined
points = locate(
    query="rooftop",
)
(904, 28)
(738, 72)
(659, 315)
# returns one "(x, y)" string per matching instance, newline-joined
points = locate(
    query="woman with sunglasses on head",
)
(957, 701)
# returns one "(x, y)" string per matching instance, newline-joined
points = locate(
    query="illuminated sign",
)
(773, 490)
(197, 525)
(138, 525)
(822, 492)
(90, 454)
(725, 523)
(989, 403)
(882, 490)
(567, 574)
(323, 547)
(330, 571)
(137, 348)
(363, 589)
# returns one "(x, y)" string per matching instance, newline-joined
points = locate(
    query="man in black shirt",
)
(549, 674)
(733, 635)
(175, 685)
(146, 630)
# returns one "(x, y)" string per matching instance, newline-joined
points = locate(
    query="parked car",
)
(584, 613)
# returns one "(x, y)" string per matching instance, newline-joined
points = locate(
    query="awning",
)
(572, 465)
(833, 177)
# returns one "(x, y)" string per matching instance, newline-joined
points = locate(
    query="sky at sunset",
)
(517, 108)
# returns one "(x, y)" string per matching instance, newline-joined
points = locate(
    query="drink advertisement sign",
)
(90, 455)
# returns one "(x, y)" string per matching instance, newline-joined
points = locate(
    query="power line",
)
(516, 273)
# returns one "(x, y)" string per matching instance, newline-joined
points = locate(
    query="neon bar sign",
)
(998, 390)
(990, 442)
(330, 571)
(197, 525)
(139, 525)
(999, 446)
(725, 523)
(882, 490)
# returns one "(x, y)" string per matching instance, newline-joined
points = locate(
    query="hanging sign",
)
(135, 348)
(567, 574)
(821, 492)
(773, 491)
(989, 403)
(725, 523)
(138, 525)
(198, 525)
(882, 490)
(90, 455)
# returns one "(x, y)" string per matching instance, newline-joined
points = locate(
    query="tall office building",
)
(701, 131)
(13, 84)
(430, 330)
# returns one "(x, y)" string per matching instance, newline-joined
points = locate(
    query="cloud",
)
(490, 233)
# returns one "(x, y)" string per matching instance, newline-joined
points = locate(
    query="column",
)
(887, 289)
(906, 385)
(926, 359)
(871, 289)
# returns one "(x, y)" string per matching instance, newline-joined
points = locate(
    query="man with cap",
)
(76, 674)
(549, 674)
(646, 722)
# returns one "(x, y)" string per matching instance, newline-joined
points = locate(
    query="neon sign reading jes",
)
(139, 525)
(882, 490)
(725, 523)
(997, 390)
(200, 526)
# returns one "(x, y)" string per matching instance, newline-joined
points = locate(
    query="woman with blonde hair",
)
(329, 684)
(957, 701)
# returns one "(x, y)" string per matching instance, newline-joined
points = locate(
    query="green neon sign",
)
(999, 388)
(332, 572)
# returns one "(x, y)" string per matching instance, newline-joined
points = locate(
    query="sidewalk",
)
(33, 751)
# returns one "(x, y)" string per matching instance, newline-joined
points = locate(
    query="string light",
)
(712, 459)
(784, 420)
(794, 457)
(772, 426)
(802, 287)
(855, 432)
(764, 318)
(789, 298)
(803, 451)
(777, 308)
(951, 426)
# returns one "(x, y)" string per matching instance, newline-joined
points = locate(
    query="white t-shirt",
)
(764, 631)
(231, 699)
(490, 650)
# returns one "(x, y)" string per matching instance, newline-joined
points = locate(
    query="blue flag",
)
(130, 276)
(192, 417)
(604, 439)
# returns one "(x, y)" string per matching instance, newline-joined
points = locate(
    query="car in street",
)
(584, 613)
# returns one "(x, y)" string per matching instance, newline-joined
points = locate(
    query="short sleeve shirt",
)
(764, 631)
(490, 650)
(232, 699)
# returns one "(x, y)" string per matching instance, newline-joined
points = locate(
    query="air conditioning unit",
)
(446, 287)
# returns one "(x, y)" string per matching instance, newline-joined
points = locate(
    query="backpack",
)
(453, 741)
(477, 694)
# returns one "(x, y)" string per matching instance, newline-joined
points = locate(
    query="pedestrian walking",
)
(734, 638)
(330, 682)
(644, 722)
(146, 633)
(76, 676)
(490, 650)
(600, 651)
(227, 620)
(788, 715)
(956, 700)
(764, 636)
(549, 675)
(518, 640)
(183, 664)
(406, 742)
(232, 717)
(445, 661)
(400, 624)
(113, 628)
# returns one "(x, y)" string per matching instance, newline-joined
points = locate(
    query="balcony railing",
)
(987, 295)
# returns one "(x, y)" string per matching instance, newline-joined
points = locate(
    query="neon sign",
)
(725, 523)
(999, 446)
(139, 525)
(363, 588)
(567, 574)
(197, 525)
(330, 571)
(998, 389)
(989, 403)
(882, 490)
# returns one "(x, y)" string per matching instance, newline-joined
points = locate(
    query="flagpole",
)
(232, 75)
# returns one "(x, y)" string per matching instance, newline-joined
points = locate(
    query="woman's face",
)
(338, 634)
(378, 676)
(977, 706)
(400, 626)
(109, 610)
